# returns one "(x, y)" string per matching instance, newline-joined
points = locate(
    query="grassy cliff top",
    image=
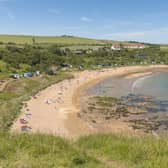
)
(100, 151)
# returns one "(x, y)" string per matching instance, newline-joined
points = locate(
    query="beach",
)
(55, 109)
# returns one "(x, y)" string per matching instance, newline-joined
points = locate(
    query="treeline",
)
(31, 57)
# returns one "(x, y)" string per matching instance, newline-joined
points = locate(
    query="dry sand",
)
(54, 110)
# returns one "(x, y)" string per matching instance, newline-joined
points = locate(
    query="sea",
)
(151, 91)
(155, 85)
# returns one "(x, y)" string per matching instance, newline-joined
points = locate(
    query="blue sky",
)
(144, 20)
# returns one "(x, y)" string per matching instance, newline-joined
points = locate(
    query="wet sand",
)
(55, 109)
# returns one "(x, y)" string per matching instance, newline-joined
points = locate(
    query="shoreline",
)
(54, 110)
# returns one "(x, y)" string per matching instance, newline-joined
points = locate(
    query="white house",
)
(116, 47)
(134, 46)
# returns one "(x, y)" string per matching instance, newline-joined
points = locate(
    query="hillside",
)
(66, 40)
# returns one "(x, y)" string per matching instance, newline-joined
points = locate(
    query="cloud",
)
(53, 11)
(86, 19)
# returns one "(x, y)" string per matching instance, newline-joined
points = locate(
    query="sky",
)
(144, 20)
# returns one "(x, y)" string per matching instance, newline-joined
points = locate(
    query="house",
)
(134, 46)
(116, 47)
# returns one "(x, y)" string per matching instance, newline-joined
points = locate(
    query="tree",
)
(33, 40)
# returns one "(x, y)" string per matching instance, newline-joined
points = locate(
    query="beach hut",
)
(53, 70)
(27, 75)
(37, 73)
(16, 76)
(142, 56)
(79, 52)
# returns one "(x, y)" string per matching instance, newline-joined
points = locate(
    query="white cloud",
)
(86, 19)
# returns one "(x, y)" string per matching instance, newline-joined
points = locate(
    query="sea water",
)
(155, 85)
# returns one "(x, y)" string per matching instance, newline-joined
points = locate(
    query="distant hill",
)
(63, 40)
(69, 40)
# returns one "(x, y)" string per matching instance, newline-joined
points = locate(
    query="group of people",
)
(25, 121)
(62, 90)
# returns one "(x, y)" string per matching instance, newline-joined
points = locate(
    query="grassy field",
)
(99, 151)
(49, 40)
(17, 91)
(164, 47)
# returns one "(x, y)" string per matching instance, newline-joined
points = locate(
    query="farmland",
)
(66, 40)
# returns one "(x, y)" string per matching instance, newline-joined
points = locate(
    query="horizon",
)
(73, 36)
(119, 21)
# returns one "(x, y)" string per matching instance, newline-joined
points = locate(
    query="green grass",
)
(83, 47)
(164, 47)
(42, 151)
(51, 40)
(133, 152)
(99, 151)
(17, 91)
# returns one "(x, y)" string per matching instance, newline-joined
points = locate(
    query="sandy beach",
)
(54, 110)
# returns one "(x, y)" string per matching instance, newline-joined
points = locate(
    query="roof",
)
(135, 45)
(116, 46)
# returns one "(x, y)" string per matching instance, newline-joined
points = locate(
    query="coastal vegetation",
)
(101, 151)
(16, 92)
(31, 58)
